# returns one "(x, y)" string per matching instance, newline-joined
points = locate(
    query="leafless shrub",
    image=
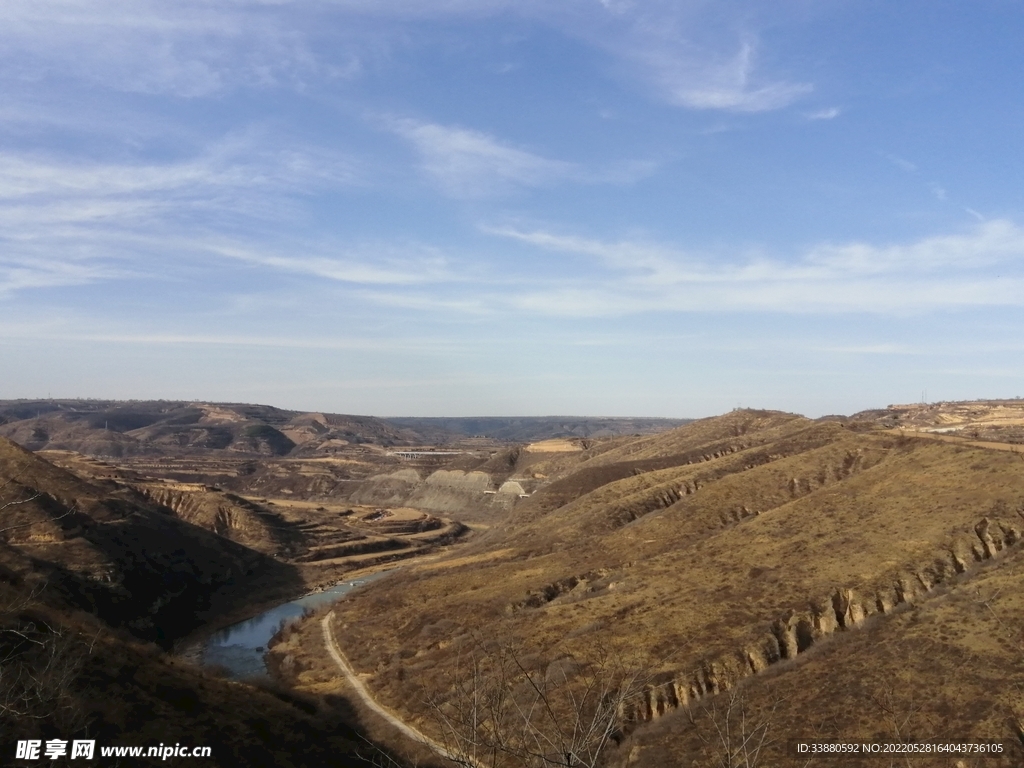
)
(734, 733)
(499, 710)
(40, 661)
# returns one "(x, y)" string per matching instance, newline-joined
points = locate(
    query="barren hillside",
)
(733, 551)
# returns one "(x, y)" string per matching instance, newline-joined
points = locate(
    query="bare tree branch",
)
(31, 498)
(738, 735)
(499, 711)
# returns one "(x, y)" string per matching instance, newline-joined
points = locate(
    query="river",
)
(240, 648)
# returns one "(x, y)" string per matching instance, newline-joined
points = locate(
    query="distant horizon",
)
(202, 401)
(206, 401)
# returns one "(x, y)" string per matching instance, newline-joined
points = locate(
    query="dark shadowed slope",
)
(91, 571)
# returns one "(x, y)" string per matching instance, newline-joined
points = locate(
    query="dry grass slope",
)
(724, 551)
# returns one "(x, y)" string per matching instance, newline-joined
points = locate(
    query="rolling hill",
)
(131, 428)
(757, 552)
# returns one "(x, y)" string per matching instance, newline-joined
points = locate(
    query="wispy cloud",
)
(480, 303)
(22, 274)
(239, 164)
(932, 273)
(68, 221)
(468, 163)
(198, 48)
(994, 242)
(730, 84)
(700, 56)
(825, 114)
(382, 264)
(188, 48)
(899, 162)
(63, 333)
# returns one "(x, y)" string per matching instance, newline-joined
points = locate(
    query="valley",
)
(757, 572)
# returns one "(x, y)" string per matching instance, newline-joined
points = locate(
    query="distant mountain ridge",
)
(176, 427)
(164, 427)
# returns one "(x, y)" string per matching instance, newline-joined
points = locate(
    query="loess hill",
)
(261, 452)
(849, 580)
(176, 428)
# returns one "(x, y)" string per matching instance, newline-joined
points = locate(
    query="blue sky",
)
(456, 207)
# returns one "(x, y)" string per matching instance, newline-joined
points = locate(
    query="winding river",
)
(240, 648)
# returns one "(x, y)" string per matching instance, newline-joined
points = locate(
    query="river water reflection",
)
(240, 648)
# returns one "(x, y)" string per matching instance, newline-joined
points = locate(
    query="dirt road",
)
(364, 694)
(988, 444)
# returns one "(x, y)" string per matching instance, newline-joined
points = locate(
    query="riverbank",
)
(190, 647)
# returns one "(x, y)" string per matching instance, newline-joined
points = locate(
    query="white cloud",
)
(69, 222)
(930, 274)
(633, 256)
(678, 50)
(239, 164)
(825, 114)
(186, 48)
(994, 242)
(22, 274)
(62, 332)
(727, 85)
(465, 163)
(899, 162)
(468, 163)
(478, 304)
(696, 55)
(371, 265)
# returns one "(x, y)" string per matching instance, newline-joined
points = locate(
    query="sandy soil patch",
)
(557, 445)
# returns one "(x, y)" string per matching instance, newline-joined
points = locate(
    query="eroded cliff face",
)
(227, 515)
(843, 610)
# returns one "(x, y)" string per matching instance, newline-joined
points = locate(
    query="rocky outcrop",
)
(463, 481)
(584, 584)
(227, 515)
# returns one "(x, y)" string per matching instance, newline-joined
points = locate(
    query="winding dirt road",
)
(367, 697)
